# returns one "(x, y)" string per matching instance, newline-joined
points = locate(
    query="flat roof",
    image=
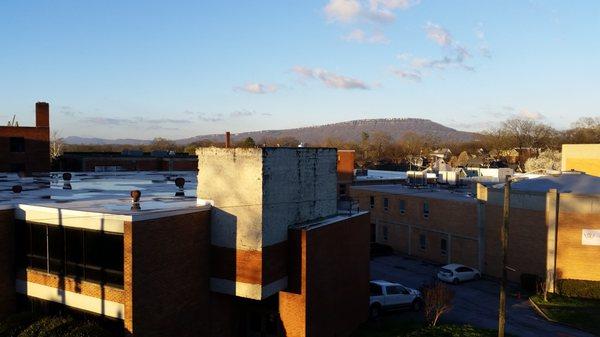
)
(101, 192)
(566, 182)
(461, 195)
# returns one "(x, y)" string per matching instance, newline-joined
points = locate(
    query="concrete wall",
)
(166, 273)
(329, 286)
(257, 194)
(7, 273)
(581, 157)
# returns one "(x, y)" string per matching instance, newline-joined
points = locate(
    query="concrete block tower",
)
(258, 193)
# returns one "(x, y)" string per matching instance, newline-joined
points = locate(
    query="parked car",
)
(456, 273)
(388, 295)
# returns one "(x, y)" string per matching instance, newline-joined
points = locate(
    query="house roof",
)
(567, 182)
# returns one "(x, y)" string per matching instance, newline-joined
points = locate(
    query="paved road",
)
(475, 302)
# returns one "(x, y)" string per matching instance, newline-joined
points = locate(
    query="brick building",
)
(554, 225)
(581, 157)
(26, 149)
(262, 250)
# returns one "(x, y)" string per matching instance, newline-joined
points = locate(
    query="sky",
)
(176, 69)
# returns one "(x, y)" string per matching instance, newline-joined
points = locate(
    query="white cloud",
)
(438, 34)
(330, 79)
(381, 11)
(358, 35)
(243, 113)
(342, 10)
(483, 47)
(531, 115)
(413, 75)
(257, 88)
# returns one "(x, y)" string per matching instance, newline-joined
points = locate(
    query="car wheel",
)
(455, 281)
(375, 311)
(417, 305)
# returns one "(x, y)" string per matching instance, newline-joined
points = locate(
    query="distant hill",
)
(345, 131)
(352, 130)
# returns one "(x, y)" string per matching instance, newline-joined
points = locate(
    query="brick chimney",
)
(42, 114)
(227, 139)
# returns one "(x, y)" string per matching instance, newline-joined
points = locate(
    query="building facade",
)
(581, 157)
(262, 251)
(554, 229)
(26, 149)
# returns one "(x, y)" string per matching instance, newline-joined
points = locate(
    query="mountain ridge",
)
(315, 134)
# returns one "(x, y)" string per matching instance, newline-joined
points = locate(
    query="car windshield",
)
(375, 289)
(446, 271)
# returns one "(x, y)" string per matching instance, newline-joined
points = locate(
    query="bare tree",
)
(56, 145)
(584, 130)
(437, 300)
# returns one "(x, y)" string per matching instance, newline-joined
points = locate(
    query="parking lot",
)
(475, 302)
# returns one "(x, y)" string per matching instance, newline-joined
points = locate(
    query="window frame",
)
(423, 241)
(386, 204)
(372, 201)
(444, 246)
(426, 209)
(402, 206)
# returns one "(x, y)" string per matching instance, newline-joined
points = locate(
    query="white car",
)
(456, 273)
(387, 295)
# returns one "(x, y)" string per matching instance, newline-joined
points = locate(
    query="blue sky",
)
(141, 69)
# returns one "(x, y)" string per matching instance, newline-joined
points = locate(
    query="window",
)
(82, 254)
(402, 206)
(423, 241)
(463, 269)
(386, 204)
(444, 246)
(372, 201)
(384, 232)
(375, 289)
(426, 209)
(342, 189)
(17, 144)
(393, 290)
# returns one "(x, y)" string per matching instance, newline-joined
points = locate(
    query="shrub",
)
(452, 331)
(14, 324)
(43, 326)
(530, 282)
(579, 288)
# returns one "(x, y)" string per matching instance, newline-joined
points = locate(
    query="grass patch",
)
(408, 325)
(581, 313)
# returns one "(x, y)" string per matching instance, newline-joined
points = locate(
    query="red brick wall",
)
(36, 157)
(167, 267)
(332, 295)
(345, 166)
(7, 273)
(574, 260)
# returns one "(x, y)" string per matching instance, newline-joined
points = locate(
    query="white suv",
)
(387, 295)
(456, 273)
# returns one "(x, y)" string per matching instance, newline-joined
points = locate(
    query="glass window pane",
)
(74, 248)
(93, 256)
(113, 258)
(37, 254)
(56, 249)
(22, 244)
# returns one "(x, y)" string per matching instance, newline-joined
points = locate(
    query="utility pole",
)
(504, 238)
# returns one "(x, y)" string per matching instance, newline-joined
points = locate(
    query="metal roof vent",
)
(180, 182)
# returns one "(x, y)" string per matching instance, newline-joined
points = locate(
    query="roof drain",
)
(67, 181)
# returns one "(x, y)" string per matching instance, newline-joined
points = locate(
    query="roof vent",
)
(17, 189)
(135, 200)
(67, 176)
(179, 182)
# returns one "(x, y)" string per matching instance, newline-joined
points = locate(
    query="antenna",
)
(13, 122)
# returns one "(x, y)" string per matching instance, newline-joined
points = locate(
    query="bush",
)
(14, 324)
(43, 326)
(579, 288)
(452, 331)
(530, 282)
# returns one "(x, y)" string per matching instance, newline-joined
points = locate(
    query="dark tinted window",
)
(402, 206)
(372, 201)
(74, 252)
(56, 249)
(444, 246)
(393, 290)
(37, 251)
(386, 203)
(375, 289)
(463, 269)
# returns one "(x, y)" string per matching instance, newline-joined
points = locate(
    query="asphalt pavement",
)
(475, 302)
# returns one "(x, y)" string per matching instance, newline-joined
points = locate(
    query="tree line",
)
(378, 146)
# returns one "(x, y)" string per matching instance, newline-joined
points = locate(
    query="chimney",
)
(42, 114)
(227, 139)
